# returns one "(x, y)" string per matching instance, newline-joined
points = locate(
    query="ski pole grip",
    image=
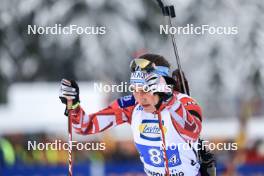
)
(167, 10)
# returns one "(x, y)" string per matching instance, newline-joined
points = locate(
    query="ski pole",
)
(170, 12)
(70, 165)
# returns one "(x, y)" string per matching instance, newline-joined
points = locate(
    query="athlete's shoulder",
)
(190, 104)
(126, 101)
(186, 99)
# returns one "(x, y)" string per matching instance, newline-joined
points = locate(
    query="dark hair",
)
(158, 60)
(176, 75)
(175, 81)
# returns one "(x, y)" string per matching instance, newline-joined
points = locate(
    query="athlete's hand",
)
(69, 90)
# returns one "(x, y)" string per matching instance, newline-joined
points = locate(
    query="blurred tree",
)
(130, 28)
(3, 89)
(49, 57)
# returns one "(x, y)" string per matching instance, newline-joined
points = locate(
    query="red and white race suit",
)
(181, 119)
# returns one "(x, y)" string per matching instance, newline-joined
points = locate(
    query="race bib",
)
(154, 155)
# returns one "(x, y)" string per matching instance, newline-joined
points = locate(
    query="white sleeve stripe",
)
(105, 120)
(78, 126)
(184, 116)
(124, 117)
(175, 106)
(179, 119)
(83, 120)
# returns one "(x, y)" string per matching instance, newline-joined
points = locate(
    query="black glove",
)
(207, 160)
(69, 90)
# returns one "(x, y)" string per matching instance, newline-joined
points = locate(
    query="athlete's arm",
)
(116, 113)
(192, 107)
(186, 118)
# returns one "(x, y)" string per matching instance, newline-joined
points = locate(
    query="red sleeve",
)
(186, 123)
(115, 114)
(192, 107)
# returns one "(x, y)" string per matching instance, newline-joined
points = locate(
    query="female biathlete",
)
(165, 123)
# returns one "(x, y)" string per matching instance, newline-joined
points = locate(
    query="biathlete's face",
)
(146, 99)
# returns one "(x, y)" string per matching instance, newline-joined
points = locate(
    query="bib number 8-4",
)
(156, 157)
(153, 156)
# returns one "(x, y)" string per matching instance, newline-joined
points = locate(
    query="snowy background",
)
(225, 72)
